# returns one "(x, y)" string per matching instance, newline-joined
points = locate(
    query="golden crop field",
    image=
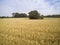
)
(23, 31)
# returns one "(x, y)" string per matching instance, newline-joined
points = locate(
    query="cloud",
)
(55, 4)
(43, 6)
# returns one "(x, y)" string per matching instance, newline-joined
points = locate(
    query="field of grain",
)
(23, 31)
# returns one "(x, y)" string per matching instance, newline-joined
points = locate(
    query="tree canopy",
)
(34, 14)
(19, 15)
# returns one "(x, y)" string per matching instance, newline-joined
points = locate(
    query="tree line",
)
(53, 16)
(31, 15)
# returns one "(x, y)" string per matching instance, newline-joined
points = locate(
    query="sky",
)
(45, 7)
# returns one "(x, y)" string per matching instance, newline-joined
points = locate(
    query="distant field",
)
(23, 31)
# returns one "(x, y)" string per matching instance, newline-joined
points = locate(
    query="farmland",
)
(23, 31)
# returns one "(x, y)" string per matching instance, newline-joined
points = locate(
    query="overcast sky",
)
(45, 7)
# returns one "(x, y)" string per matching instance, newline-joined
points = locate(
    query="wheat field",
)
(23, 31)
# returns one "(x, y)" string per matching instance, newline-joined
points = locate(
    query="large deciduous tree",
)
(34, 14)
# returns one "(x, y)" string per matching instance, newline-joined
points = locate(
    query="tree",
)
(34, 14)
(23, 15)
(19, 15)
(41, 16)
(3, 17)
(15, 14)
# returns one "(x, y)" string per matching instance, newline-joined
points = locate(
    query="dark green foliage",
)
(34, 14)
(41, 17)
(53, 16)
(17, 15)
(2, 16)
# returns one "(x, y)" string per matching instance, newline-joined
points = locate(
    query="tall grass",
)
(20, 31)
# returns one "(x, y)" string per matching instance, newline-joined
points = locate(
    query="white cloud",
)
(43, 6)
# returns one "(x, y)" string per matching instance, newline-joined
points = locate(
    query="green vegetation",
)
(22, 31)
(34, 14)
(19, 15)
